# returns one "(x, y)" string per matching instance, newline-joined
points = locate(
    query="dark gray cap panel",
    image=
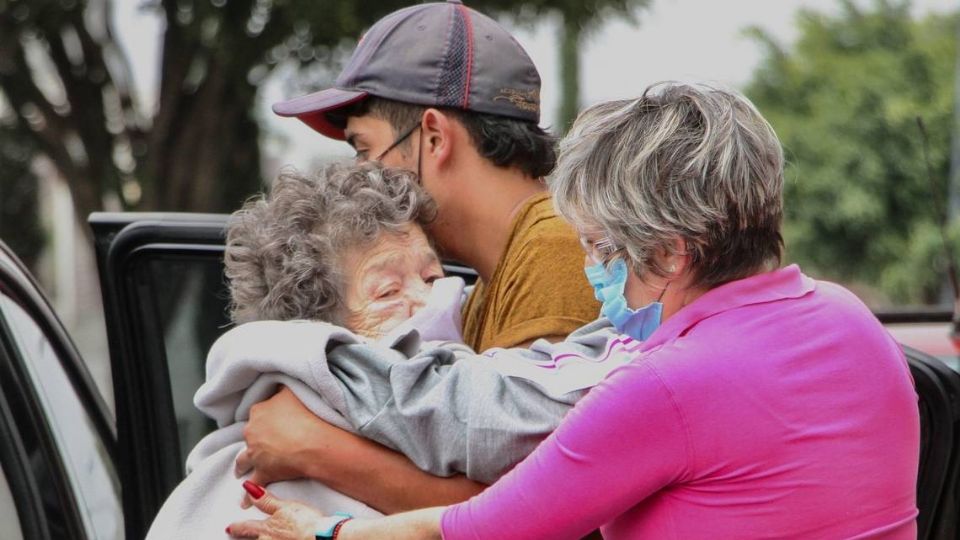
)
(438, 54)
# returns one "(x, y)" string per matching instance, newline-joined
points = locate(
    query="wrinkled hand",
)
(275, 435)
(288, 520)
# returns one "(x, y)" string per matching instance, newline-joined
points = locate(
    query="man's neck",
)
(475, 226)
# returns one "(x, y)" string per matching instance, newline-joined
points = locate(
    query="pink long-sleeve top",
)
(770, 406)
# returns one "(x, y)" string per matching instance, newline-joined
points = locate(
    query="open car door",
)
(164, 304)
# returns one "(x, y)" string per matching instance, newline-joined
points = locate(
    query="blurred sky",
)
(690, 40)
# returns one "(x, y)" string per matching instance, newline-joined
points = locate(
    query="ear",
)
(438, 136)
(674, 258)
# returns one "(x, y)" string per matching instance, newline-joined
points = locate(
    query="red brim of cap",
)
(312, 109)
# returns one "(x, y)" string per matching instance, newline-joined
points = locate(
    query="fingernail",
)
(228, 529)
(254, 490)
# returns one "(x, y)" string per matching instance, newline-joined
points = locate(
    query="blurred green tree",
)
(860, 207)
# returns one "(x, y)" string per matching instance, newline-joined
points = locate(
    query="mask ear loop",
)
(397, 142)
(664, 291)
(673, 268)
(613, 256)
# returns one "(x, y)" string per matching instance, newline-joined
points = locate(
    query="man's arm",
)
(285, 440)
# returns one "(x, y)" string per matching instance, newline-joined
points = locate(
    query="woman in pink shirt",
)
(762, 403)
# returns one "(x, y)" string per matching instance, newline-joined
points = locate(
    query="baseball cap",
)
(440, 54)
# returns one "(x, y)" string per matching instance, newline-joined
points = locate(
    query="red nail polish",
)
(228, 529)
(254, 490)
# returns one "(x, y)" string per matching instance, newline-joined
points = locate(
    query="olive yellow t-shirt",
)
(538, 288)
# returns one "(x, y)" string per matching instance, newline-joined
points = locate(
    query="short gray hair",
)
(681, 162)
(284, 249)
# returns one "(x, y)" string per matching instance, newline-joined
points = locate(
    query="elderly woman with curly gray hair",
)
(761, 402)
(347, 247)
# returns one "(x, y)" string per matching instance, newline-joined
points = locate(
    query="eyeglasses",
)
(598, 250)
(399, 140)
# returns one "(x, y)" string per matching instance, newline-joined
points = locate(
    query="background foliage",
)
(844, 100)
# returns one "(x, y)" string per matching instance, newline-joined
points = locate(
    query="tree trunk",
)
(210, 160)
(569, 73)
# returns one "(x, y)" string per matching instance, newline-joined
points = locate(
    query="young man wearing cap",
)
(442, 90)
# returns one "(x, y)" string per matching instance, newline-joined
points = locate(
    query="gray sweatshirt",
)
(452, 411)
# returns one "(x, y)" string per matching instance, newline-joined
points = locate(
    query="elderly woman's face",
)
(389, 281)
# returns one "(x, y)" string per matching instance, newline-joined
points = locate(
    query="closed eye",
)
(387, 293)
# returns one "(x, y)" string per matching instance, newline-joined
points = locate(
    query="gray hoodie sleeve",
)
(447, 409)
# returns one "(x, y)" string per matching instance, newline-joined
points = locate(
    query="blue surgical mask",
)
(608, 285)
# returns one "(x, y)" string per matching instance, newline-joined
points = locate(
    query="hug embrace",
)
(634, 358)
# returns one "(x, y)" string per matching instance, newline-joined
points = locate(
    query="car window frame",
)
(15, 466)
(17, 283)
(16, 387)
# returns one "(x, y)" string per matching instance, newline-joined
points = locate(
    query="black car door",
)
(58, 474)
(164, 304)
